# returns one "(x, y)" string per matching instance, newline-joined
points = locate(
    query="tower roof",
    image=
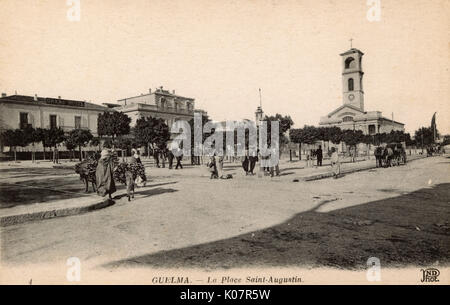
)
(351, 51)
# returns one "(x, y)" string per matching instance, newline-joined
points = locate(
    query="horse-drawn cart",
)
(392, 154)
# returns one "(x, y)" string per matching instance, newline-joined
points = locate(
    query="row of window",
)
(163, 103)
(53, 119)
(372, 128)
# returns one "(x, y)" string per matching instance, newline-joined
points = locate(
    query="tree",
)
(30, 137)
(424, 136)
(446, 140)
(70, 145)
(151, 132)
(13, 138)
(40, 136)
(53, 137)
(352, 138)
(205, 135)
(305, 135)
(285, 124)
(335, 134)
(113, 124)
(79, 137)
(379, 138)
(123, 143)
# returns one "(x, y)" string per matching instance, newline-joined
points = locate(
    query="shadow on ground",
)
(45, 190)
(411, 229)
(37, 171)
(147, 193)
(42, 190)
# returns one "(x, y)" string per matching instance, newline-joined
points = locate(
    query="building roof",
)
(159, 92)
(351, 51)
(49, 101)
(342, 107)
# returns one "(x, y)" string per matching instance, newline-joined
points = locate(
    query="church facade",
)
(352, 115)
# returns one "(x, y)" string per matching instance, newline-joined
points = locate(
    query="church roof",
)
(345, 106)
(351, 51)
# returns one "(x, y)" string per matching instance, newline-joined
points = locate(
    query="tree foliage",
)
(151, 131)
(79, 137)
(53, 137)
(285, 124)
(424, 136)
(113, 124)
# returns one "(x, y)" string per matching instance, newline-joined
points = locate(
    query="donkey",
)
(86, 170)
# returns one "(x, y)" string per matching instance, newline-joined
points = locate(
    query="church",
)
(352, 115)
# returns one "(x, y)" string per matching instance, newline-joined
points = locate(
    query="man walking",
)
(156, 156)
(170, 156)
(245, 164)
(335, 163)
(319, 155)
(253, 159)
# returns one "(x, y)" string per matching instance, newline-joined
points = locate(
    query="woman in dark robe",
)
(245, 163)
(104, 174)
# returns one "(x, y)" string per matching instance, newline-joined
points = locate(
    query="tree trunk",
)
(300, 151)
(81, 159)
(44, 149)
(15, 155)
(148, 150)
(32, 154)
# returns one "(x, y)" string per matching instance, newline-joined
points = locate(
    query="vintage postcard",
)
(225, 142)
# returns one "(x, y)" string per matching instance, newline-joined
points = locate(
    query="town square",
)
(174, 153)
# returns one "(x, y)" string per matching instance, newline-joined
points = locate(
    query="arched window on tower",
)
(350, 84)
(349, 63)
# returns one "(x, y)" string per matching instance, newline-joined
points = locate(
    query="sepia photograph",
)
(224, 142)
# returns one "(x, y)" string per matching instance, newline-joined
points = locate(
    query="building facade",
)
(20, 111)
(161, 104)
(352, 115)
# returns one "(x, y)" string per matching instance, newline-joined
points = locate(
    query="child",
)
(130, 184)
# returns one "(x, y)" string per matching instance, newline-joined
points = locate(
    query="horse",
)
(388, 155)
(379, 156)
(400, 155)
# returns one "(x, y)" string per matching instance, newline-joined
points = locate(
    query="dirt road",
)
(400, 215)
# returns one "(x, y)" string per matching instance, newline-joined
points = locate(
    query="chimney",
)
(3, 94)
(150, 91)
(173, 92)
(35, 98)
(59, 97)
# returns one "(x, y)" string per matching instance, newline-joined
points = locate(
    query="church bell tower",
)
(352, 78)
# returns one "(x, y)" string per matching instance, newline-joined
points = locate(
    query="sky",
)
(221, 52)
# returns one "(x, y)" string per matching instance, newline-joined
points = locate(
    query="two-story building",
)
(159, 103)
(20, 111)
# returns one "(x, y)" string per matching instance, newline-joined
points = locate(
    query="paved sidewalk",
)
(46, 210)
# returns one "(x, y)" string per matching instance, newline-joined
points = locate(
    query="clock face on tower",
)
(351, 97)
